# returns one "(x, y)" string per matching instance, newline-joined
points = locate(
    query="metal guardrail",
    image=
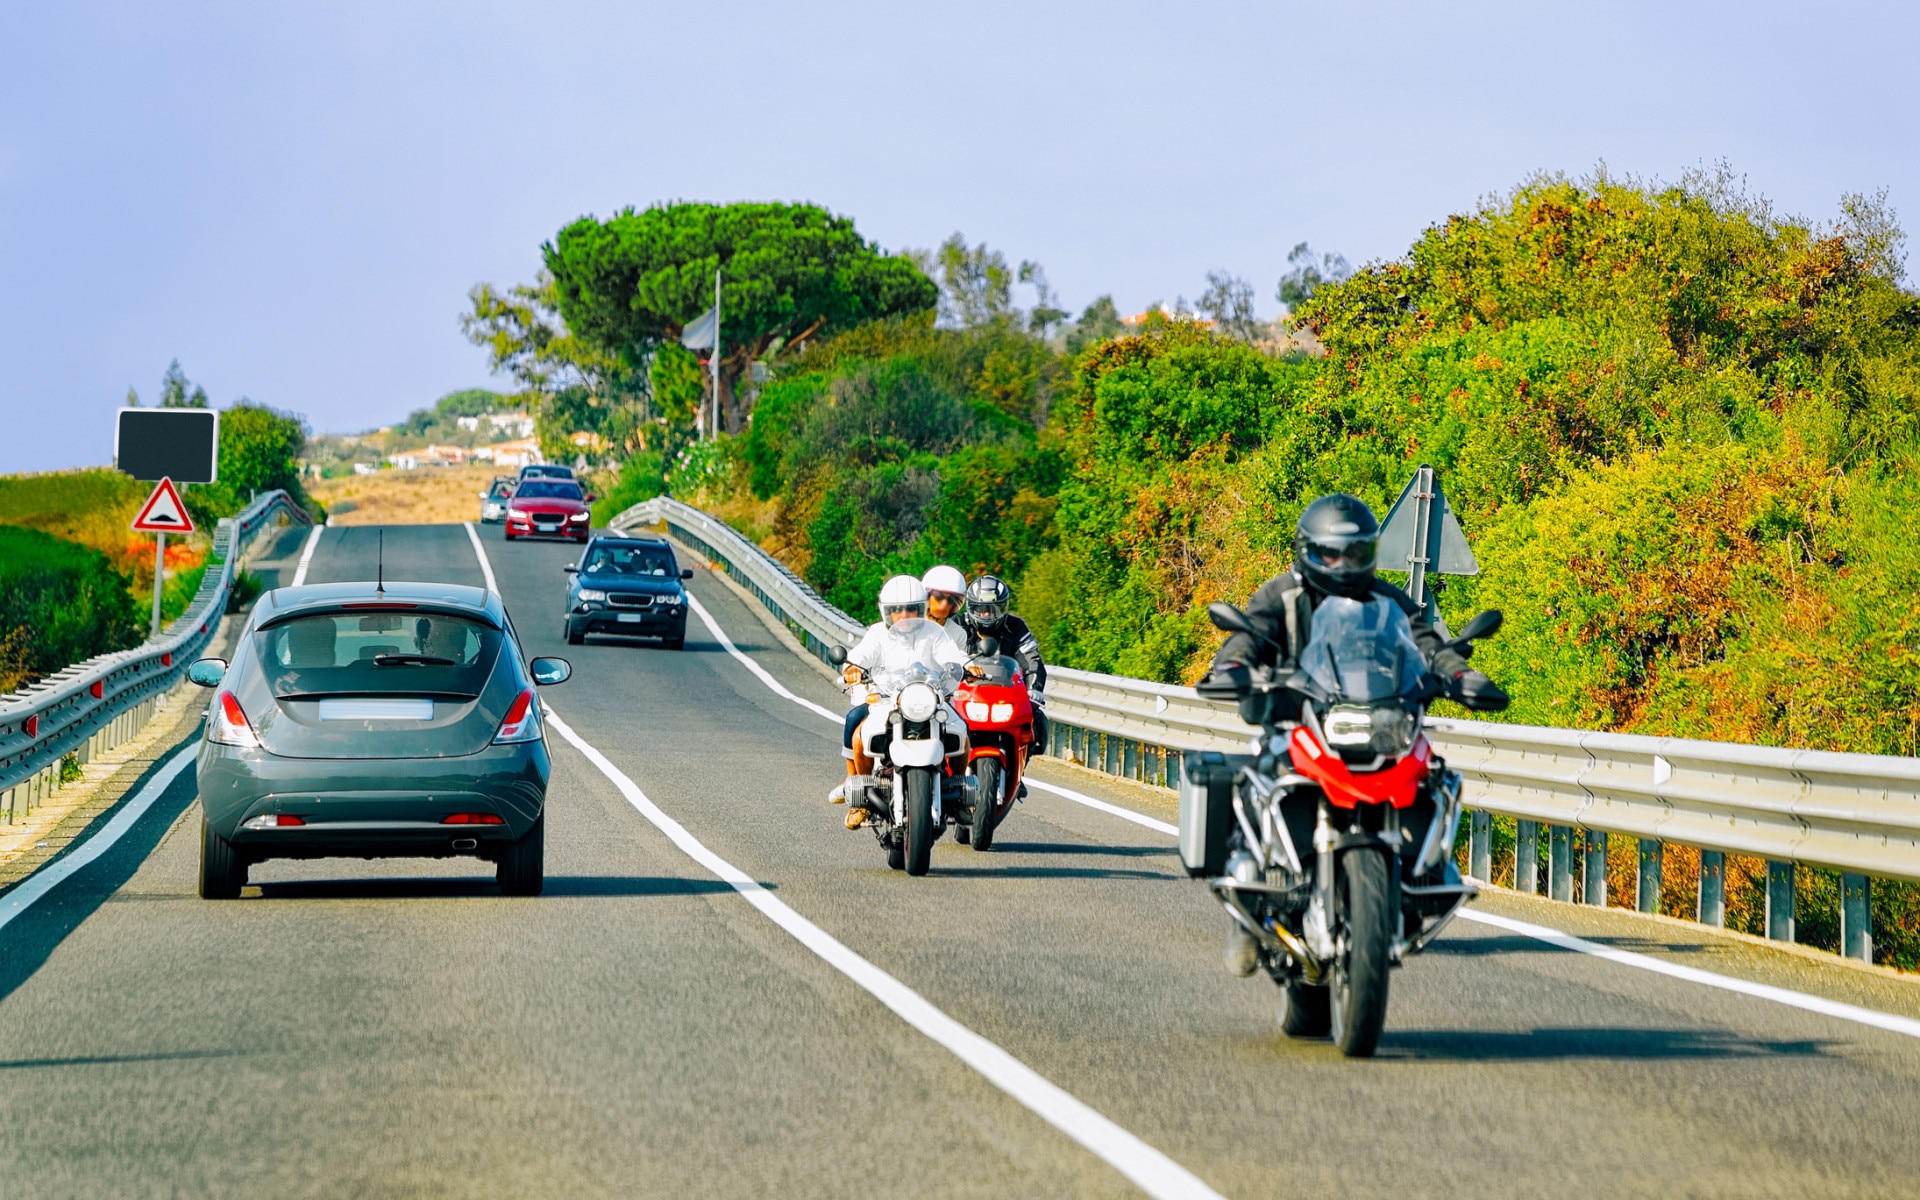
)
(103, 701)
(1857, 814)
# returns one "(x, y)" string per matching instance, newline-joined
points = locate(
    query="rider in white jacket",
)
(946, 592)
(902, 637)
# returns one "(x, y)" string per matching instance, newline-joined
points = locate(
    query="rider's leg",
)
(854, 716)
(859, 763)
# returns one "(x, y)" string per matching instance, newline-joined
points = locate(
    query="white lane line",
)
(306, 557)
(713, 627)
(1125, 814)
(49, 877)
(1149, 1169)
(1627, 958)
(480, 552)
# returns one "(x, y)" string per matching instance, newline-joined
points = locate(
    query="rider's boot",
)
(856, 817)
(1242, 953)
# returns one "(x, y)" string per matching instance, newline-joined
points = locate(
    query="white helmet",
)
(944, 578)
(902, 595)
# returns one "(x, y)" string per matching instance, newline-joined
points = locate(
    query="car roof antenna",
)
(380, 567)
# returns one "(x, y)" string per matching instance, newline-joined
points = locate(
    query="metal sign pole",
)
(1421, 558)
(159, 571)
(716, 352)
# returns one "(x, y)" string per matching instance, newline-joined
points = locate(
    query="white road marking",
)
(1125, 814)
(480, 552)
(49, 877)
(306, 556)
(1149, 1169)
(713, 627)
(1627, 958)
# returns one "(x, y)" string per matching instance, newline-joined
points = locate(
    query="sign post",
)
(163, 513)
(1422, 537)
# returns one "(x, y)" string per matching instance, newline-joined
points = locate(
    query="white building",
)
(467, 422)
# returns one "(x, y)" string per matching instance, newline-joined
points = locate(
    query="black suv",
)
(627, 586)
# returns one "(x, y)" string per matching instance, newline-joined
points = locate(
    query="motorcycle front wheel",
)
(1358, 997)
(987, 785)
(919, 785)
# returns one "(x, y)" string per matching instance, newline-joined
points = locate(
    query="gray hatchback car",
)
(369, 722)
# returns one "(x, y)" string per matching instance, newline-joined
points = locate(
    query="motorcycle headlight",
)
(1384, 729)
(1347, 726)
(592, 594)
(917, 702)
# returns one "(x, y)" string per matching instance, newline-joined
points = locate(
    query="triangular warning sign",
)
(163, 512)
(1421, 529)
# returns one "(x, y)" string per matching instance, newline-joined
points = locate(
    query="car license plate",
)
(357, 709)
(630, 618)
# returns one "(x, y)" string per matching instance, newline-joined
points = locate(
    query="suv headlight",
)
(917, 702)
(591, 594)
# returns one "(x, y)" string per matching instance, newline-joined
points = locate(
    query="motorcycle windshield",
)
(891, 682)
(1362, 651)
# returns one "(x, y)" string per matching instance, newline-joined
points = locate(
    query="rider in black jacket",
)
(986, 616)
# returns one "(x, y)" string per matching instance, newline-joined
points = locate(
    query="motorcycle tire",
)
(920, 829)
(1358, 996)
(963, 834)
(1304, 1011)
(987, 788)
(897, 853)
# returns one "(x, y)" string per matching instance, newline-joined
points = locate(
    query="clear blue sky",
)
(295, 203)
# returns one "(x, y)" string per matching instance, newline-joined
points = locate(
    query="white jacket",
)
(885, 650)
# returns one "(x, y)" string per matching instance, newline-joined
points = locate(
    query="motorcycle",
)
(919, 749)
(1331, 843)
(998, 710)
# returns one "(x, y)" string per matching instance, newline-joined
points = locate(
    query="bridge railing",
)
(92, 706)
(1856, 814)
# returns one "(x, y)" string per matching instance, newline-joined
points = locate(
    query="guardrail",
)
(1857, 814)
(92, 706)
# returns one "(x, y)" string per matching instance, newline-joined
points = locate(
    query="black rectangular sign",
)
(181, 444)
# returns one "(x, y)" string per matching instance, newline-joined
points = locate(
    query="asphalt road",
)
(399, 1028)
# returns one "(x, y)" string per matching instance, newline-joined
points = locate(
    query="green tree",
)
(790, 271)
(1308, 276)
(176, 391)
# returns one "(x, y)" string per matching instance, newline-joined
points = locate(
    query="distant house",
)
(518, 424)
(363, 469)
(483, 454)
(472, 423)
(443, 456)
(400, 462)
(514, 455)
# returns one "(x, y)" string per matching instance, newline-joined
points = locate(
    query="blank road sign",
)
(181, 444)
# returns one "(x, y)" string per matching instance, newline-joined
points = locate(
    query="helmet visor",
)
(988, 614)
(1341, 555)
(890, 613)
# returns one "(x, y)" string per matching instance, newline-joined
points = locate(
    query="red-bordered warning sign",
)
(163, 512)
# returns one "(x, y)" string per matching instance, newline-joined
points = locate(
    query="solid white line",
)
(713, 627)
(49, 877)
(1125, 814)
(480, 552)
(1149, 1169)
(306, 557)
(1627, 958)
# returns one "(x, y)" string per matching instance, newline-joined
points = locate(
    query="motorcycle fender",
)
(919, 752)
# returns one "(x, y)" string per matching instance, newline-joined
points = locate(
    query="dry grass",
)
(428, 496)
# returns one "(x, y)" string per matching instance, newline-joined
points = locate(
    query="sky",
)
(293, 200)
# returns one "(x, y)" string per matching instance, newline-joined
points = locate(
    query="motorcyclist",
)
(986, 616)
(946, 589)
(1334, 550)
(901, 637)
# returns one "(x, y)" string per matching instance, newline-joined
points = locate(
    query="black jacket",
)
(1017, 642)
(1283, 609)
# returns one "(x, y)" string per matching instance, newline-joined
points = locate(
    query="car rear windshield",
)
(362, 653)
(548, 489)
(651, 561)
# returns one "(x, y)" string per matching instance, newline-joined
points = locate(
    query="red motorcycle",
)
(993, 701)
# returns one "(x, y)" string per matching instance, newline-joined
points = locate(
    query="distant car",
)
(549, 508)
(356, 721)
(546, 471)
(628, 586)
(493, 501)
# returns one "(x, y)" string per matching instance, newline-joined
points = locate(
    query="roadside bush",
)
(60, 602)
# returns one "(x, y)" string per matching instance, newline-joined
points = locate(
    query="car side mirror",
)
(207, 672)
(1226, 616)
(483, 495)
(571, 569)
(548, 671)
(837, 655)
(591, 497)
(686, 572)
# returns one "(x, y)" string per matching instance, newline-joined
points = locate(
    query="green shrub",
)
(60, 602)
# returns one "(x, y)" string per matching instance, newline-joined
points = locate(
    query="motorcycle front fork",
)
(1318, 924)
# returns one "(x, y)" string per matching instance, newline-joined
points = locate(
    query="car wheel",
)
(522, 866)
(679, 643)
(222, 871)
(574, 637)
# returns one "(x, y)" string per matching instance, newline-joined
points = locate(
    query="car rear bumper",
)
(367, 807)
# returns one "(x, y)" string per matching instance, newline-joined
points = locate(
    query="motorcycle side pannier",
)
(1206, 809)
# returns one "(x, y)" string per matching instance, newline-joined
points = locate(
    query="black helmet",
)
(1335, 544)
(988, 599)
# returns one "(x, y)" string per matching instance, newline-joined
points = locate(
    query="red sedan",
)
(553, 508)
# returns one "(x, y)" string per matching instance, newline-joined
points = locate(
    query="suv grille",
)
(629, 600)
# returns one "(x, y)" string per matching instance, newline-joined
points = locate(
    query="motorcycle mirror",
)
(1226, 616)
(837, 655)
(1485, 625)
(989, 647)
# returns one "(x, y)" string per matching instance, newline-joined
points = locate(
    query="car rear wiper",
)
(425, 660)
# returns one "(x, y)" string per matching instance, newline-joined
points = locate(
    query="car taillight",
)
(230, 726)
(473, 819)
(976, 710)
(1003, 711)
(522, 723)
(273, 821)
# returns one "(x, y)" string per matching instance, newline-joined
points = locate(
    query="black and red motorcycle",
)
(1332, 843)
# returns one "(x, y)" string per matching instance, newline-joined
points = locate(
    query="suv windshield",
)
(652, 561)
(361, 653)
(548, 489)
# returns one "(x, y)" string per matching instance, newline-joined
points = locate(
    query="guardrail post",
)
(1713, 888)
(1652, 863)
(1779, 901)
(1526, 857)
(1479, 845)
(1856, 917)
(1594, 876)
(1560, 862)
